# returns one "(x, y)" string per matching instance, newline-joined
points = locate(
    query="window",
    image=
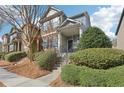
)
(11, 47)
(55, 42)
(44, 43)
(45, 25)
(76, 41)
(55, 22)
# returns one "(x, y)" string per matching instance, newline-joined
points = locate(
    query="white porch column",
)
(80, 32)
(18, 46)
(59, 42)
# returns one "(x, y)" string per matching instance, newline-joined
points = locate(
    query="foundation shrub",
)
(46, 59)
(99, 58)
(15, 56)
(88, 77)
(2, 54)
(70, 74)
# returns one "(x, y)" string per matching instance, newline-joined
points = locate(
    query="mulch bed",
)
(59, 83)
(4, 63)
(2, 85)
(27, 69)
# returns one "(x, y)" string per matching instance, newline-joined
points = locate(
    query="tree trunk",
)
(30, 54)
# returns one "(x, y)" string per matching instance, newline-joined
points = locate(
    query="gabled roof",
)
(12, 29)
(80, 15)
(121, 18)
(5, 35)
(69, 20)
(47, 11)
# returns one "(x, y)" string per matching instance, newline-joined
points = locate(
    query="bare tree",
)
(25, 19)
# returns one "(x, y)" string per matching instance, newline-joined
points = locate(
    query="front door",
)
(70, 45)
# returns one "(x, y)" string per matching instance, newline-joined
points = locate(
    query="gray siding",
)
(120, 36)
(84, 20)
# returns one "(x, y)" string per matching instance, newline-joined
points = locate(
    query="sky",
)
(105, 17)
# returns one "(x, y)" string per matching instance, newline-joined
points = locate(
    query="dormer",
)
(52, 13)
(83, 17)
(52, 18)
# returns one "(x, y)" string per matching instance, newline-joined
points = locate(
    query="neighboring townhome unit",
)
(11, 41)
(14, 41)
(120, 32)
(62, 32)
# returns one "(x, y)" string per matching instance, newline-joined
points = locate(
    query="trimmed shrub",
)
(47, 59)
(100, 58)
(15, 56)
(92, 77)
(2, 54)
(94, 37)
(88, 77)
(70, 74)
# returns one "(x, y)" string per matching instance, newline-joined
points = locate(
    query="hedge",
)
(100, 58)
(92, 77)
(47, 59)
(15, 56)
(70, 74)
(94, 37)
(88, 77)
(2, 54)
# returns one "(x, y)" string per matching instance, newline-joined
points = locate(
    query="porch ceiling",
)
(70, 30)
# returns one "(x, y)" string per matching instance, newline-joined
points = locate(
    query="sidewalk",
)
(14, 80)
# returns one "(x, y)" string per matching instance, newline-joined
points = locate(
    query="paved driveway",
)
(14, 80)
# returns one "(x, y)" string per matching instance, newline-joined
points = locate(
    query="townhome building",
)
(58, 31)
(62, 32)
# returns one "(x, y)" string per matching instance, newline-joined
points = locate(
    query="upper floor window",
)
(55, 22)
(45, 26)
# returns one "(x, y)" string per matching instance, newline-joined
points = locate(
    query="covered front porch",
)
(13, 46)
(68, 38)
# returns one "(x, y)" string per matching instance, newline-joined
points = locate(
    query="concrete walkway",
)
(14, 80)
